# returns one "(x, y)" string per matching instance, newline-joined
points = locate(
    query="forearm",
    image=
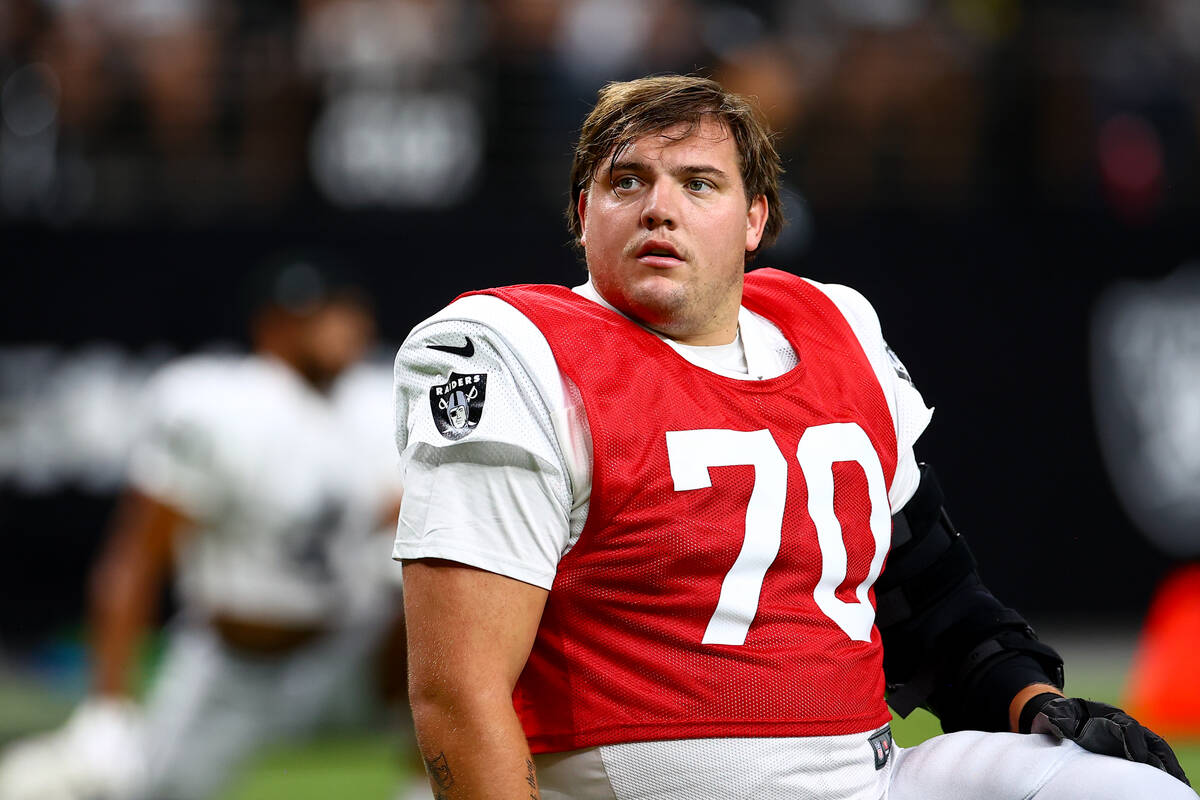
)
(122, 604)
(948, 643)
(474, 749)
(469, 635)
(125, 587)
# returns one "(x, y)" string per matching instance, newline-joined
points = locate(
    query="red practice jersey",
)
(721, 585)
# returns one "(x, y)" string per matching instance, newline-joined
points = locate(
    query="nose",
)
(659, 209)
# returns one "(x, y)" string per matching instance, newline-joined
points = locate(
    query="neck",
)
(720, 328)
(725, 334)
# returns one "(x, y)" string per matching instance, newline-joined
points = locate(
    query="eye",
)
(699, 185)
(625, 183)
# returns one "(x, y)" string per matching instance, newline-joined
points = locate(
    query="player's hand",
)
(98, 753)
(1104, 729)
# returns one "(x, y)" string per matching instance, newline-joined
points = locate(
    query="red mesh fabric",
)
(619, 655)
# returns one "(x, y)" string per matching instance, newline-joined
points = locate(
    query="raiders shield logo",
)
(1145, 369)
(457, 404)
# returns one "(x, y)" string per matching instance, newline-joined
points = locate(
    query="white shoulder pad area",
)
(479, 335)
(504, 328)
(190, 385)
(909, 413)
(482, 411)
(183, 416)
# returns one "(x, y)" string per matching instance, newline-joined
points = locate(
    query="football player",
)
(260, 482)
(646, 521)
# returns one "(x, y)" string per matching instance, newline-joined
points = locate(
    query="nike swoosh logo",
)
(466, 351)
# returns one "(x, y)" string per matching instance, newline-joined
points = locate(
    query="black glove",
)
(1100, 728)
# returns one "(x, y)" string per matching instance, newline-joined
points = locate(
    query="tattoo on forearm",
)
(439, 771)
(531, 779)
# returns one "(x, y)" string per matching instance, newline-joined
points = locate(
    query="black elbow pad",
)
(948, 643)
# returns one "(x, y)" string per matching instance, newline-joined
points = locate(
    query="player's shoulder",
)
(184, 407)
(852, 303)
(483, 339)
(193, 381)
(855, 308)
(492, 317)
(479, 329)
(197, 369)
(214, 387)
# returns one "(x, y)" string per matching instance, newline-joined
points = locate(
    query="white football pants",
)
(971, 765)
(967, 765)
(211, 708)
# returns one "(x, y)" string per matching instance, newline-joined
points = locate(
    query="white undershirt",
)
(721, 358)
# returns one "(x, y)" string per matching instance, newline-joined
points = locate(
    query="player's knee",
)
(1101, 777)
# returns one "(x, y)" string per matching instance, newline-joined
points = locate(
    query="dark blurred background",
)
(983, 170)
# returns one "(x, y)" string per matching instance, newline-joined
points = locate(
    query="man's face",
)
(666, 233)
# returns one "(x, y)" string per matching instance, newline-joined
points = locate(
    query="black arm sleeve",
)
(948, 643)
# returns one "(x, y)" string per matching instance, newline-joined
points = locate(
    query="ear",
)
(581, 209)
(756, 222)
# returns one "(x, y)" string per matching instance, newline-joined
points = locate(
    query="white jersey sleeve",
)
(174, 459)
(909, 412)
(494, 449)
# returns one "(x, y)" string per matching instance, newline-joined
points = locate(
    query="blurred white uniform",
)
(526, 467)
(288, 489)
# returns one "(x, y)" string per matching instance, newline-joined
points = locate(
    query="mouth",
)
(659, 253)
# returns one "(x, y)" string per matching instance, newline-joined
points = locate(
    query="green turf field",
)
(361, 767)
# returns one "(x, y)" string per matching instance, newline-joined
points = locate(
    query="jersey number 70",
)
(691, 453)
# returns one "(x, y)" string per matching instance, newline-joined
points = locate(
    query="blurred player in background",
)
(261, 481)
(646, 519)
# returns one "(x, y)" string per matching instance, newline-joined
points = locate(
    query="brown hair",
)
(626, 111)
